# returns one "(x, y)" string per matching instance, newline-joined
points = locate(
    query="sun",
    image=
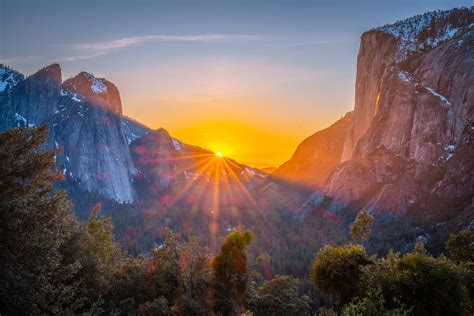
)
(219, 154)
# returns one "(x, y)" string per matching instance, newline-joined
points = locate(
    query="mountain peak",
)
(50, 73)
(427, 31)
(97, 84)
(161, 131)
(9, 77)
(97, 91)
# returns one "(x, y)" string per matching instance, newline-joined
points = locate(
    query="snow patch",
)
(98, 86)
(3, 86)
(424, 238)
(177, 145)
(408, 78)
(442, 98)
(75, 98)
(9, 78)
(422, 32)
(21, 121)
(405, 76)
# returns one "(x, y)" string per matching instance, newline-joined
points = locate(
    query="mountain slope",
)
(84, 116)
(88, 127)
(414, 114)
(317, 156)
(31, 101)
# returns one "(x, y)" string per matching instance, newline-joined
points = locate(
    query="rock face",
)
(88, 125)
(97, 91)
(9, 78)
(414, 110)
(376, 53)
(133, 129)
(158, 157)
(85, 118)
(32, 101)
(317, 156)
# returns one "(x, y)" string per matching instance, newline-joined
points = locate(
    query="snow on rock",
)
(176, 144)
(405, 76)
(449, 149)
(75, 98)
(424, 238)
(21, 121)
(20, 118)
(97, 85)
(426, 31)
(9, 77)
(408, 78)
(436, 94)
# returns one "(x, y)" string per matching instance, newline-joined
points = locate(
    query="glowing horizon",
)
(249, 79)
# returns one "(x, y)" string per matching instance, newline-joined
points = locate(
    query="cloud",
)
(95, 49)
(91, 50)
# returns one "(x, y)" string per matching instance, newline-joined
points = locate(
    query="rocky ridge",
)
(413, 109)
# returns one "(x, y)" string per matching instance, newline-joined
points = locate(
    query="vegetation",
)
(52, 264)
(360, 230)
(415, 283)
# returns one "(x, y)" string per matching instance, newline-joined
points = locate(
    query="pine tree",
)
(35, 224)
(360, 230)
(230, 268)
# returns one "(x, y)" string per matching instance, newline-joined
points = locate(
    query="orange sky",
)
(251, 110)
(249, 78)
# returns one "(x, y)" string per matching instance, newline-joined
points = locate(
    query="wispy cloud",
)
(95, 49)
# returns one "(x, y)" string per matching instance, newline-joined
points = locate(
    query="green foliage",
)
(178, 273)
(430, 286)
(129, 286)
(51, 264)
(98, 240)
(196, 279)
(360, 230)
(372, 305)
(323, 311)
(230, 271)
(279, 296)
(337, 271)
(36, 223)
(461, 246)
(92, 247)
(157, 307)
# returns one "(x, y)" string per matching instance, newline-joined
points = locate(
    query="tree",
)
(230, 272)
(36, 223)
(92, 247)
(158, 307)
(360, 230)
(461, 246)
(279, 296)
(430, 286)
(130, 286)
(336, 271)
(195, 279)
(373, 305)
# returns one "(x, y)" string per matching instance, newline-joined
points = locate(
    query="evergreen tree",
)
(337, 271)
(461, 246)
(35, 225)
(279, 296)
(360, 230)
(230, 270)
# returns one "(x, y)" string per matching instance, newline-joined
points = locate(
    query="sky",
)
(250, 79)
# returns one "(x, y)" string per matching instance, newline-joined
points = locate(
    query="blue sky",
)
(284, 68)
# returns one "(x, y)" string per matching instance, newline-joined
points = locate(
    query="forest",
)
(51, 263)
